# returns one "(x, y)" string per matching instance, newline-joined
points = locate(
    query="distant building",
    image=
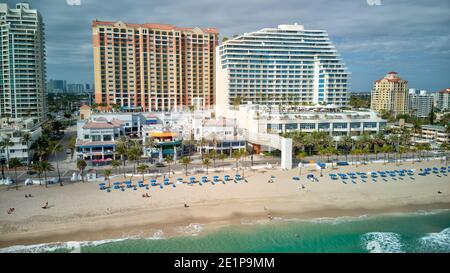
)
(56, 86)
(22, 63)
(390, 94)
(75, 88)
(442, 99)
(280, 66)
(420, 103)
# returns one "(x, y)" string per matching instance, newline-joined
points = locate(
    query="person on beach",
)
(11, 210)
(186, 205)
(45, 206)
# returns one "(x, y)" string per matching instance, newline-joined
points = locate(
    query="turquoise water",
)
(414, 232)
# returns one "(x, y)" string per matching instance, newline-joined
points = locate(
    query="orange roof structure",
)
(163, 134)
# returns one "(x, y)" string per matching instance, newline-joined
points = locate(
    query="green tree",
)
(206, 162)
(81, 165)
(5, 144)
(115, 165)
(54, 148)
(185, 161)
(222, 157)
(107, 173)
(300, 156)
(72, 145)
(169, 161)
(236, 155)
(46, 167)
(15, 163)
(141, 169)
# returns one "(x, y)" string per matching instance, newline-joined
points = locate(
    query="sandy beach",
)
(82, 212)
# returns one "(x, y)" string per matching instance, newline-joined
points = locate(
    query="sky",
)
(411, 37)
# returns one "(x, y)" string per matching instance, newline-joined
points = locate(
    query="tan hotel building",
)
(390, 94)
(153, 66)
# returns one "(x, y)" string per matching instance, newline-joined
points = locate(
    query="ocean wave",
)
(158, 235)
(436, 242)
(338, 220)
(430, 212)
(71, 246)
(381, 242)
(192, 229)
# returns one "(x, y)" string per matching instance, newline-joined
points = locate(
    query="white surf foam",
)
(72, 246)
(192, 229)
(158, 235)
(436, 242)
(381, 242)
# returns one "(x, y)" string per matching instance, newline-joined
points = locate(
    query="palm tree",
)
(201, 142)
(122, 151)
(236, 155)
(5, 144)
(15, 163)
(72, 145)
(37, 167)
(134, 154)
(26, 137)
(355, 152)
(386, 149)
(169, 160)
(55, 147)
(213, 155)
(149, 143)
(107, 173)
(300, 156)
(46, 167)
(347, 142)
(81, 165)
(115, 164)
(309, 141)
(141, 169)
(244, 154)
(222, 157)
(185, 161)
(206, 162)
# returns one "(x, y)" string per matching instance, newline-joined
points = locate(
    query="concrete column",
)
(286, 153)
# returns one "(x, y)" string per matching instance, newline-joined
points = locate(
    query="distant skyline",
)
(411, 37)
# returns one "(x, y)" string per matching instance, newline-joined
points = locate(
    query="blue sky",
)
(374, 37)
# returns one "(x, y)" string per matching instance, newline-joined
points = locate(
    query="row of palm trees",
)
(322, 144)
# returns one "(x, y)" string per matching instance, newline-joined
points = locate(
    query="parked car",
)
(159, 164)
(68, 151)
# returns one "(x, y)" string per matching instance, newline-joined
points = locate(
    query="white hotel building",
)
(281, 65)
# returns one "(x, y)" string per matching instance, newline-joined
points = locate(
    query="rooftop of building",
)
(153, 26)
(444, 91)
(102, 123)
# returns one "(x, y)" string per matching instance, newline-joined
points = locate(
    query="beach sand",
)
(82, 212)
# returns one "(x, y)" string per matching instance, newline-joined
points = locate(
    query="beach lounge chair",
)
(166, 181)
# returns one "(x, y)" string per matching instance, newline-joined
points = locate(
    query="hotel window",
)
(370, 125)
(340, 125)
(324, 125)
(355, 125)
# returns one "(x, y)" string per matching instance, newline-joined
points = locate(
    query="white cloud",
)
(374, 2)
(73, 2)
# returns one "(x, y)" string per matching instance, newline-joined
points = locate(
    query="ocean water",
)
(411, 232)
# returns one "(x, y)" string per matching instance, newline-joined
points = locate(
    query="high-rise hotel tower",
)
(22, 63)
(153, 66)
(288, 64)
(390, 94)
